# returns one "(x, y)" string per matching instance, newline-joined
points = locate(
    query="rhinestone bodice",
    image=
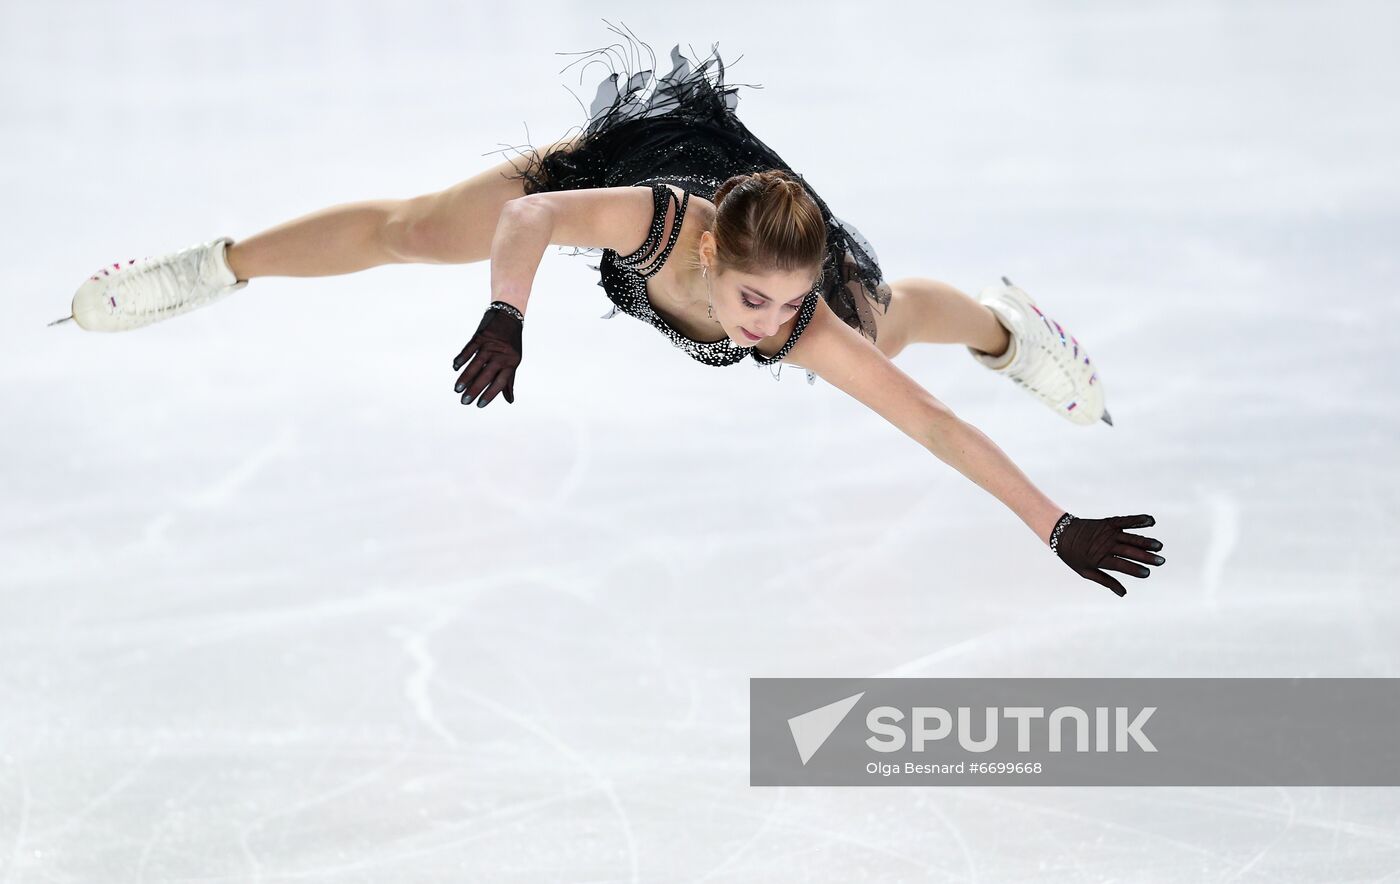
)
(624, 279)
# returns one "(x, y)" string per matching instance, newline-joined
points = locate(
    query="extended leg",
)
(924, 310)
(451, 226)
(345, 238)
(1049, 362)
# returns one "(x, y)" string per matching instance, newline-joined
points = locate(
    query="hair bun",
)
(767, 220)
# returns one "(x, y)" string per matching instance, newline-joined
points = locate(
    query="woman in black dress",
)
(739, 258)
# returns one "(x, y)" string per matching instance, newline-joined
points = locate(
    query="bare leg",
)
(451, 226)
(927, 311)
(341, 239)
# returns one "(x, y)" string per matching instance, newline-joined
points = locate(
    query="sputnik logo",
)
(811, 729)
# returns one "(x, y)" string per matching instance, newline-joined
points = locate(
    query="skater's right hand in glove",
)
(491, 356)
(1088, 545)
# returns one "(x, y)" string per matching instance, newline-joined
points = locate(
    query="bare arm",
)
(1090, 547)
(607, 217)
(610, 217)
(849, 362)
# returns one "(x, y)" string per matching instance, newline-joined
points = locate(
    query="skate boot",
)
(1043, 358)
(121, 297)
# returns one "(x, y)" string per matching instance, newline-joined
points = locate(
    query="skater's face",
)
(754, 306)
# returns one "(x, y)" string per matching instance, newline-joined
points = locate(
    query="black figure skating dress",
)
(681, 129)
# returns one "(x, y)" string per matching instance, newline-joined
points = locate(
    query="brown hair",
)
(767, 221)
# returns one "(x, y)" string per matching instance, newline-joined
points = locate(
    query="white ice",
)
(274, 606)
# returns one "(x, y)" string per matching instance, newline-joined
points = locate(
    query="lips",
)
(749, 335)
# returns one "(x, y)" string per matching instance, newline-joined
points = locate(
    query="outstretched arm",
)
(849, 362)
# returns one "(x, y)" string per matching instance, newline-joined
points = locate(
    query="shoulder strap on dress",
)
(804, 316)
(663, 226)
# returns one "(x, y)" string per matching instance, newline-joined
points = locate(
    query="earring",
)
(705, 272)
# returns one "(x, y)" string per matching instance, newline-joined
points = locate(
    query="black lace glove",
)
(1087, 545)
(494, 352)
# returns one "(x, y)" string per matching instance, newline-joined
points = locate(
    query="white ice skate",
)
(1043, 358)
(121, 297)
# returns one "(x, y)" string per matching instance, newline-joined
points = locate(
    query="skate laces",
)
(153, 286)
(1056, 364)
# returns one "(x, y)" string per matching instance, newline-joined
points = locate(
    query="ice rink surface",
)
(274, 606)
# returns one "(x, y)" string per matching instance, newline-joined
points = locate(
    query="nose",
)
(769, 326)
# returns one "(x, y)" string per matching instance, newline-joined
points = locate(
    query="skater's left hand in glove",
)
(491, 356)
(1088, 545)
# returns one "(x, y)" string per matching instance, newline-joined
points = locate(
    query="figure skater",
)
(705, 234)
